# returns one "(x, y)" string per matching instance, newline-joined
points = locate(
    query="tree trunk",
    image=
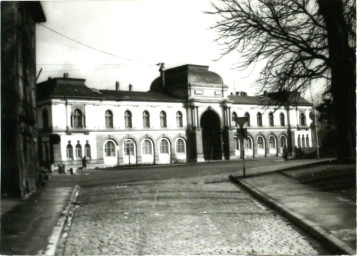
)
(342, 63)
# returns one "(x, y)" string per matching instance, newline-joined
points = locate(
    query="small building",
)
(19, 161)
(187, 116)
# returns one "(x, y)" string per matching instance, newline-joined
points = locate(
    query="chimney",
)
(130, 87)
(49, 78)
(65, 75)
(162, 73)
(265, 93)
(117, 86)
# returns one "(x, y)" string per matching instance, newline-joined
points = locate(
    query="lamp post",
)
(243, 133)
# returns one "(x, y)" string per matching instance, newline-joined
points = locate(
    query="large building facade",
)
(187, 116)
(19, 162)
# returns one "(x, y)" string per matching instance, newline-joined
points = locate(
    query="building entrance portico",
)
(211, 136)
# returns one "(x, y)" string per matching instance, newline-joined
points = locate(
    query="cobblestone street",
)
(179, 216)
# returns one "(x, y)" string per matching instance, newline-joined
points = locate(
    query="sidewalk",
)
(325, 215)
(27, 225)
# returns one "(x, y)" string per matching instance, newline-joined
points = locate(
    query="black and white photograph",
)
(178, 127)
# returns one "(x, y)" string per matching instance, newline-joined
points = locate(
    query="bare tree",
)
(292, 38)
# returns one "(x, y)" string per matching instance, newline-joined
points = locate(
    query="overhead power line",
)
(91, 47)
(65, 70)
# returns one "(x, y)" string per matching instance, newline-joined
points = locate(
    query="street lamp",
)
(243, 134)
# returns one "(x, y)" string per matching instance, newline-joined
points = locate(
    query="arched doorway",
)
(211, 136)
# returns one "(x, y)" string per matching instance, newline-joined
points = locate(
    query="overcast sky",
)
(130, 38)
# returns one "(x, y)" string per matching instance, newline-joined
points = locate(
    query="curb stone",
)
(57, 229)
(330, 241)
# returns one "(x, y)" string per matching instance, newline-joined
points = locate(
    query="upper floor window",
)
(271, 119)
(302, 119)
(45, 118)
(146, 119)
(164, 147)
(163, 119)
(69, 151)
(179, 122)
(247, 123)
(180, 146)
(127, 117)
(282, 119)
(77, 119)
(234, 119)
(78, 151)
(108, 119)
(259, 119)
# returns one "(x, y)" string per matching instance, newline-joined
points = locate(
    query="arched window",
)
(247, 124)
(271, 119)
(179, 119)
(299, 142)
(78, 151)
(260, 142)
(129, 148)
(303, 141)
(307, 141)
(146, 119)
(249, 143)
(147, 147)
(259, 119)
(180, 146)
(45, 118)
(108, 119)
(127, 119)
(282, 119)
(69, 151)
(109, 148)
(272, 142)
(164, 147)
(77, 119)
(87, 151)
(302, 119)
(283, 141)
(234, 119)
(163, 119)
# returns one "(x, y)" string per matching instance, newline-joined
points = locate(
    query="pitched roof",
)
(138, 96)
(270, 100)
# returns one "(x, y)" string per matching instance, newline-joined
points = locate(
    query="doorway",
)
(211, 136)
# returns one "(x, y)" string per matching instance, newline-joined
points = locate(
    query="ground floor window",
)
(87, 152)
(307, 141)
(260, 142)
(79, 151)
(282, 141)
(180, 146)
(109, 148)
(164, 147)
(272, 142)
(249, 143)
(69, 151)
(129, 148)
(147, 147)
(236, 144)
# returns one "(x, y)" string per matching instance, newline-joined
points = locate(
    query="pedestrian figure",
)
(285, 153)
(84, 163)
(296, 151)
